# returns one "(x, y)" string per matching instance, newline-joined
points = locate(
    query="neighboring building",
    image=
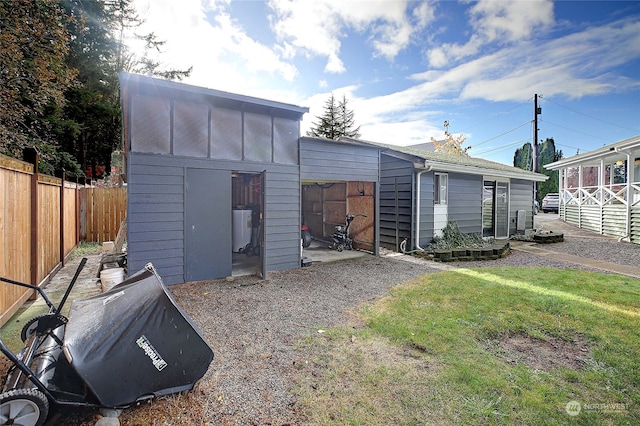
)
(422, 191)
(600, 189)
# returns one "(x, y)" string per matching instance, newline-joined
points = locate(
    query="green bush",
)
(453, 238)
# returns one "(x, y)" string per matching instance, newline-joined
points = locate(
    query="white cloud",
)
(499, 22)
(315, 28)
(218, 49)
(510, 20)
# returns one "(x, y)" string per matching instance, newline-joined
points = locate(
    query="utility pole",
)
(536, 111)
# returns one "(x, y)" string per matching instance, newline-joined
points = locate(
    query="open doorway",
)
(247, 204)
(326, 204)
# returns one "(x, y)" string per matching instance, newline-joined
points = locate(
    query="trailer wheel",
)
(49, 321)
(26, 407)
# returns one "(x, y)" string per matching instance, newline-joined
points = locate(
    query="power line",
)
(578, 131)
(497, 114)
(502, 134)
(501, 148)
(590, 116)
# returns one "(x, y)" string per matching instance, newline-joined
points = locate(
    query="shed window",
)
(440, 188)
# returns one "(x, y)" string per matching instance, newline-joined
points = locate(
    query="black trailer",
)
(114, 350)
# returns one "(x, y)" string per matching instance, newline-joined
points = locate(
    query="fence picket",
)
(88, 214)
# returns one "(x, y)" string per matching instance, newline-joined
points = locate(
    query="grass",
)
(85, 249)
(483, 346)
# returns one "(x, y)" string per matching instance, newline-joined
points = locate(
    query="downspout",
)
(425, 170)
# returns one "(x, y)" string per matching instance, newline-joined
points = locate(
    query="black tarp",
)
(134, 341)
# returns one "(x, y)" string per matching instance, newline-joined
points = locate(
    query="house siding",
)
(521, 198)
(396, 181)
(465, 202)
(157, 221)
(329, 160)
(426, 208)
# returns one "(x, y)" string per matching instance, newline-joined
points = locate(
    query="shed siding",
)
(426, 208)
(465, 202)
(321, 161)
(156, 212)
(521, 198)
(396, 181)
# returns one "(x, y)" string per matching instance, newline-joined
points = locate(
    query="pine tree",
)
(337, 120)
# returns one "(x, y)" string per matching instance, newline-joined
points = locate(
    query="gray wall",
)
(171, 128)
(396, 181)
(465, 202)
(521, 198)
(156, 220)
(322, 160)
(426, 208)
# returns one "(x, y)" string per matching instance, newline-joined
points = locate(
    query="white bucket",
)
(110, 277)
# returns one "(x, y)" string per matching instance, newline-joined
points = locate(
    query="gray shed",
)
(421, 191)
(213, 178)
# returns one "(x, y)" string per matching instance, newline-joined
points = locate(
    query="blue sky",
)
(407, 66)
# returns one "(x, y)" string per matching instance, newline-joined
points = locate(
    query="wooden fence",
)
(42, 219)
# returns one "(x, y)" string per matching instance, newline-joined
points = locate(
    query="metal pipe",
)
(420, 173)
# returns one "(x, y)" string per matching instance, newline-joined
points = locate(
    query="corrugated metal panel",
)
(257, 138)
(190, 129)
(465, 202)
(285, 141)
(150, 124)
(326, 160)
(226, 134)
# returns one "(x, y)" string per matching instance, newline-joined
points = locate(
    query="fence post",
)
(62, 177)
(30, 155)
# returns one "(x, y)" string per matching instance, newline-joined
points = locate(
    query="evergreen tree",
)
(523, 158)
(337, 120)
(547, 154)
(34, 44)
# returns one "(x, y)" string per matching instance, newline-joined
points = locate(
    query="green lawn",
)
(483, 346)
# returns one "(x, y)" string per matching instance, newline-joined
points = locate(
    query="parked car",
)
(551, 202)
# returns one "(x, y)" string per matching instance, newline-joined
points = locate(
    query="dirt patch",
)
(541, 354)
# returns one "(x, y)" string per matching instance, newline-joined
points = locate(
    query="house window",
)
(440, 188)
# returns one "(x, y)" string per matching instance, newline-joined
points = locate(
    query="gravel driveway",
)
(253, 325)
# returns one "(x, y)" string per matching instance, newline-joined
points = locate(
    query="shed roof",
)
(165, 88)
(613, 151)
(454, 163)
